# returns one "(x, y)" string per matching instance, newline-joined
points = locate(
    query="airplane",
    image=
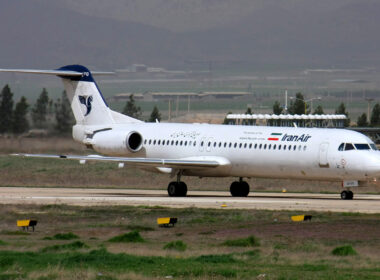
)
(206, 150)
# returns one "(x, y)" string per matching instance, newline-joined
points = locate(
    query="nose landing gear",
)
(347, 195)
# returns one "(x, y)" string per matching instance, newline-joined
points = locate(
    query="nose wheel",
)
(347, 195)
(239, 188)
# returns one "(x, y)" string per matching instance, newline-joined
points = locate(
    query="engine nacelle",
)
(117, 143)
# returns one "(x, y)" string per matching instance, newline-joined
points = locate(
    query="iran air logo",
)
(289, 138)
(274, 136)
(86, 101)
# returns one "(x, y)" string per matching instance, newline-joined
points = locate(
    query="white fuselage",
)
(250, 151)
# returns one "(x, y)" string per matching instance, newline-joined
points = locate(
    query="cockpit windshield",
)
(358, 146)
(362, 147)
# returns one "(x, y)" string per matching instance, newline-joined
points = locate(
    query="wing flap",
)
(152, 162)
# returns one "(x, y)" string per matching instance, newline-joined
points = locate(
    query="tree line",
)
(14, 117)
(49, 114)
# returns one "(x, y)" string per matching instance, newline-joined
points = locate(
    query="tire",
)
(182, 189)
(244, 189)
(173, 189)
(234, 189)
(350, 195)
(344, 195)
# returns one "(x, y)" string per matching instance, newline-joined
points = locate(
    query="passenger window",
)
(250, 145)
(150, 141)
(185, 143)
(260, 146)
(299, 148)
(294, 148)
(235, 145)
(195, 143)
(274, 147)
(230, 145)
(240, 145)
(284, 147)
(209, 144)
(220, 144)
(341, 147)
(349, 147)
(225, 144)
(202, 144)
(145, 141)
(362, 147)
(180, 143)
(279, 147)
(176, 143)
(172, 142)
(256, 146)
(159, 142)
(270, 146)
(214, 144)
(304, 148)
(245, 145)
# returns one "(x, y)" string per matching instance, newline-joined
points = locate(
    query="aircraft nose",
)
(373, 166)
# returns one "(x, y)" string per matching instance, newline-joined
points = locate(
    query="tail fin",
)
(87, 102)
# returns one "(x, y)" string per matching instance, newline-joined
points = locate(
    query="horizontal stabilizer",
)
(53, 72)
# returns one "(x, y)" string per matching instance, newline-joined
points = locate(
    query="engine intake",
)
(134, 141)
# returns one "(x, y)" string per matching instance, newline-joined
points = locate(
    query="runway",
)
(200, 199)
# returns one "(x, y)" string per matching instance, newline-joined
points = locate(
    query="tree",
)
(20, 122)
(131, 109)
(248, 112)
(375, 116)
(298, 106)
(277, 109)
(362, 120)
(318, 110)
(341, 110)
(155, 115)
(226, 121)
(6, 109)
(63, 114)
(40, 109)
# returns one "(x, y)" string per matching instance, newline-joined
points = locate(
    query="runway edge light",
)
(25, 224)
(166, 222)
(300, 218)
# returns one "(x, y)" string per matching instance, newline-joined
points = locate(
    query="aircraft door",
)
(323, 160)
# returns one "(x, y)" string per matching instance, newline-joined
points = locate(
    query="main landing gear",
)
(239, 188)
(177, 188)
(347, 195)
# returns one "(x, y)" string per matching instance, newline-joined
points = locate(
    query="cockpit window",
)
(373, 146)
(362, 147)
(349, 147)
(341, 147)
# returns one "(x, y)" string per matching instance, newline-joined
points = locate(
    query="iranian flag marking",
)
(274, 136)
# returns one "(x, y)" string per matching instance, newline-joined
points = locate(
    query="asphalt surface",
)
(201, 199)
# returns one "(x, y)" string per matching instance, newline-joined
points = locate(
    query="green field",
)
(75, 242)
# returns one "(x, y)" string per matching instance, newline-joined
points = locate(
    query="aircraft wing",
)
(189, 163)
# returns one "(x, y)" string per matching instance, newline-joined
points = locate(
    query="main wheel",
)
(350, 195)
(173, 189)
(244, 189)
(345, 195)
(182, 189)
(239, 189)
(234, 188)
(177, 189)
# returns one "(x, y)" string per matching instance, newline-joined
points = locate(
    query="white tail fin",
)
(87, 102)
